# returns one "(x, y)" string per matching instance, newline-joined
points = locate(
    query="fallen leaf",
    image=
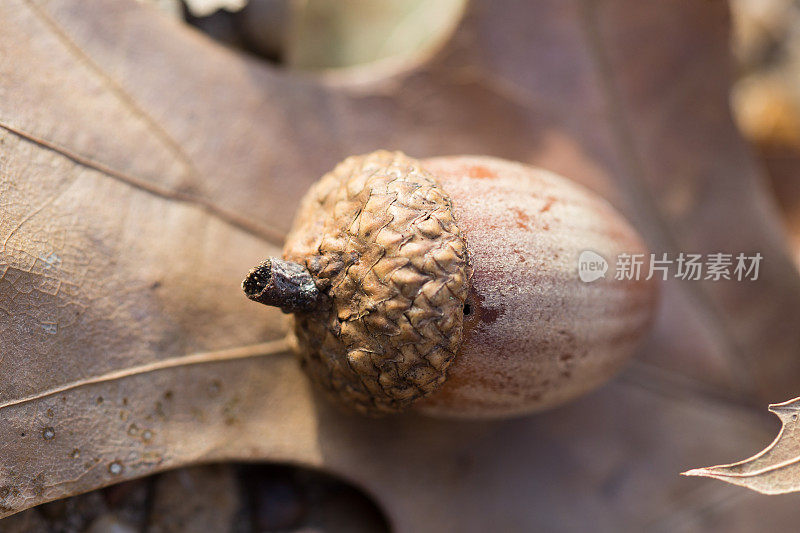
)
(774, 470)
(144, 169)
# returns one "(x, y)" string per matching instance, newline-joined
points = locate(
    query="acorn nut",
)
(450, 286)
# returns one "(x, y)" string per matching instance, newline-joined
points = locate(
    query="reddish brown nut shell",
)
(450, 285)
(537, 335)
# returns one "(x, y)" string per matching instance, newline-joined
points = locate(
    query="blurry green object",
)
(204, 8)
(173, 8)
(329, 34)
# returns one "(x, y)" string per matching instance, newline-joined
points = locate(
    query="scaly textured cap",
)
(378, 236)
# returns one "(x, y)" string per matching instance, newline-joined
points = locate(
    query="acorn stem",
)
(282, 284)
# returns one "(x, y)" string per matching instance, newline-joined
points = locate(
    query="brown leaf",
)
(774, 470)
(145, 169)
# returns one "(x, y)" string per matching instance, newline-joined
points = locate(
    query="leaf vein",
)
(263, 349)
(271, 235)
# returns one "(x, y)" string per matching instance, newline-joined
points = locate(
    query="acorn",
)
(451, 286)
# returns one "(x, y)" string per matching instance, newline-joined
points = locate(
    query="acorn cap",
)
(378, 236)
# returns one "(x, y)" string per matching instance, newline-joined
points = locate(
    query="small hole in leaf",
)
(384, 37)
(289, 498)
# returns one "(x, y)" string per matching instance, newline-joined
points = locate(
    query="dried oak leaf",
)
(774, 470)
(144, 169)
